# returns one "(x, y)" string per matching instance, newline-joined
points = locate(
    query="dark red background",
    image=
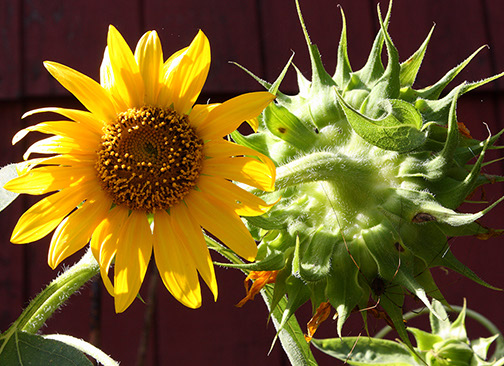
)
(260, 35)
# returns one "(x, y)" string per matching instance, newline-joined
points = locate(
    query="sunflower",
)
(144, 170)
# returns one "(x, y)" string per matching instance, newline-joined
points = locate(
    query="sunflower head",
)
(371, 173)
(144, 169)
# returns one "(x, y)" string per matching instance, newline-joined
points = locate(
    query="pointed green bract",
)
(370, 176)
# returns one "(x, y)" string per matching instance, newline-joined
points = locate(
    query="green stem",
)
(291, 336)
(321, 166)
(56, 293)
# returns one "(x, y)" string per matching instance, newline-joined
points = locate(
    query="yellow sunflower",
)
(144, 170)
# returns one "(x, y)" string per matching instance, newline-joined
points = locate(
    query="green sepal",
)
(436, 168)
(471, 229)
(297, 294)
(343, 288)
(270, 263)
(480, 346)
(451, 196)
(457, 328)
(437, 109)
(364, 351)
(388, 86)
(448, 260)
(316, 259)
(439, 325)
(373, 69)
(392, 303)
(343, 71)
(425, 340)
(410, 67)
(288, 127)
(434, 91)
(400, 130)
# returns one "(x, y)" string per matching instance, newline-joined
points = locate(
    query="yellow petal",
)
(244, 203)
(227, 117)
(246, 170)
(149, 57)
(167, 95)
(89, 92)
(188, 78)
(134, 250)
(223, 148)
(222, 222)
(74, 232)
(127, 78)
(60, 145)
(107, 81)
(104, 242)
(199, 113)
(189, 232)
(50, 178)
(45, 215)
(62, 128)
(84, 117)
(174, 262)
(65, 159)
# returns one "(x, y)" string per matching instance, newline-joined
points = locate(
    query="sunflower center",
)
(149, 159)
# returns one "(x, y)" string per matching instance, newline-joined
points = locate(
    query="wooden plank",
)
(12, 276)
(73, 33)
(10, 52)
(282, 35)
(454, 39)
(493, 10)
(231, 27)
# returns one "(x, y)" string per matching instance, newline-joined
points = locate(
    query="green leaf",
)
(23, 349)
(7, 173)
(366, 351)
(400, 130)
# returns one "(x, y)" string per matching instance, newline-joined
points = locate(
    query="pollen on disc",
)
(149, 158)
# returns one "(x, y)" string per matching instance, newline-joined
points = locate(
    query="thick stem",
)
(323, 166)
(291, 336)
(56, 293)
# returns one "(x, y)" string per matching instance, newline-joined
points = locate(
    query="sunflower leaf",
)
(7, 173)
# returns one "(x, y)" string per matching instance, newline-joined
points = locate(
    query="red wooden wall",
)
(259, 34)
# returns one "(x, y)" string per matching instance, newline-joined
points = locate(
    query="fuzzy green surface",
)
(370, 173)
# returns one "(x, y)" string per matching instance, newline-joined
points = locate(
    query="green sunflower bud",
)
(370, 173)
(446, 345)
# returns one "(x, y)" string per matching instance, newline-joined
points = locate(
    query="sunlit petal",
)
(245, 170)
(222, 222)
(149, 57)
(50, 178)
(242, 202)
(104, 242)
(45, 215)
(89, 92)
(188, 231)
(89, 120)
(127, 78)
(228, 116)
(174, 262)
(132, 259)
(188, 79)
(75, 230)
